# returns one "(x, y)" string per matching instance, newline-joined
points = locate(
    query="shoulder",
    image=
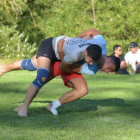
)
(128, 53)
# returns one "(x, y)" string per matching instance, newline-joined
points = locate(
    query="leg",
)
(34, 59)
(80, 89)
(15, 66)
(43, 62)
(50, 77)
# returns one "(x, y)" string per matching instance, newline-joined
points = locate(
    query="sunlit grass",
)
(110, 111)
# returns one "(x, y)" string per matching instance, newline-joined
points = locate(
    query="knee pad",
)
(27, 64)
(41, 79)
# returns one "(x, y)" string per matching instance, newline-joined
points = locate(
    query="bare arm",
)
(123, 65)
(70, 68)
(89, 32)
(65, 67)
(76, 67)
(59, 48)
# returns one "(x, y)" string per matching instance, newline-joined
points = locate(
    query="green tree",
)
(24, 24)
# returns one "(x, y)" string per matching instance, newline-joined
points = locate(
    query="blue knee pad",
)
(41, 73)
(27, 64)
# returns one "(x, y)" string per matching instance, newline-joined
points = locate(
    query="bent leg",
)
(80, 90)
(34, 60)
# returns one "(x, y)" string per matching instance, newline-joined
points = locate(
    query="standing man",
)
(117, 51)
(133, 57)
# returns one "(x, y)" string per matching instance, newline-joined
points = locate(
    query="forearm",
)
(123, 65)
(61, 54)
(67, 70)
(89, 32)
(82, 68)
(65, 67)
(60, 48)
(76, 67)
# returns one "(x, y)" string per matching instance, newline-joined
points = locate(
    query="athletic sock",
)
(56, 104)
(54, 111)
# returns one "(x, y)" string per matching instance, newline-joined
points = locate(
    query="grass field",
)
(111, 110)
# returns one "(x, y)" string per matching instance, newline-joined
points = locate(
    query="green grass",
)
(111, 110)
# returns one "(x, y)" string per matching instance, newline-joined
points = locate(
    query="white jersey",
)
(73, 48)
(131, 58)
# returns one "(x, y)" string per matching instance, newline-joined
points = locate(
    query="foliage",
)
(117, 20)
(17, 43)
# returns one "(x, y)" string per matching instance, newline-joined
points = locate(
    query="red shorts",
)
(65, 76)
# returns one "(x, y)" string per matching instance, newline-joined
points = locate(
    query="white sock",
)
(56, 104)
(54, 111)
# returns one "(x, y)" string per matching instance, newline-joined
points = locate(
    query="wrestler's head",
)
(111, 64)
(92, 54)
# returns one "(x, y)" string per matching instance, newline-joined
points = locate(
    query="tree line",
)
(24, 24)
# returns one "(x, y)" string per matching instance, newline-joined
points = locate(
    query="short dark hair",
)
(116, 62)
(116, 47)
(94, 51)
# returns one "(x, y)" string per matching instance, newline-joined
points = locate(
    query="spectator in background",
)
(133, 57)
(117, 51)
